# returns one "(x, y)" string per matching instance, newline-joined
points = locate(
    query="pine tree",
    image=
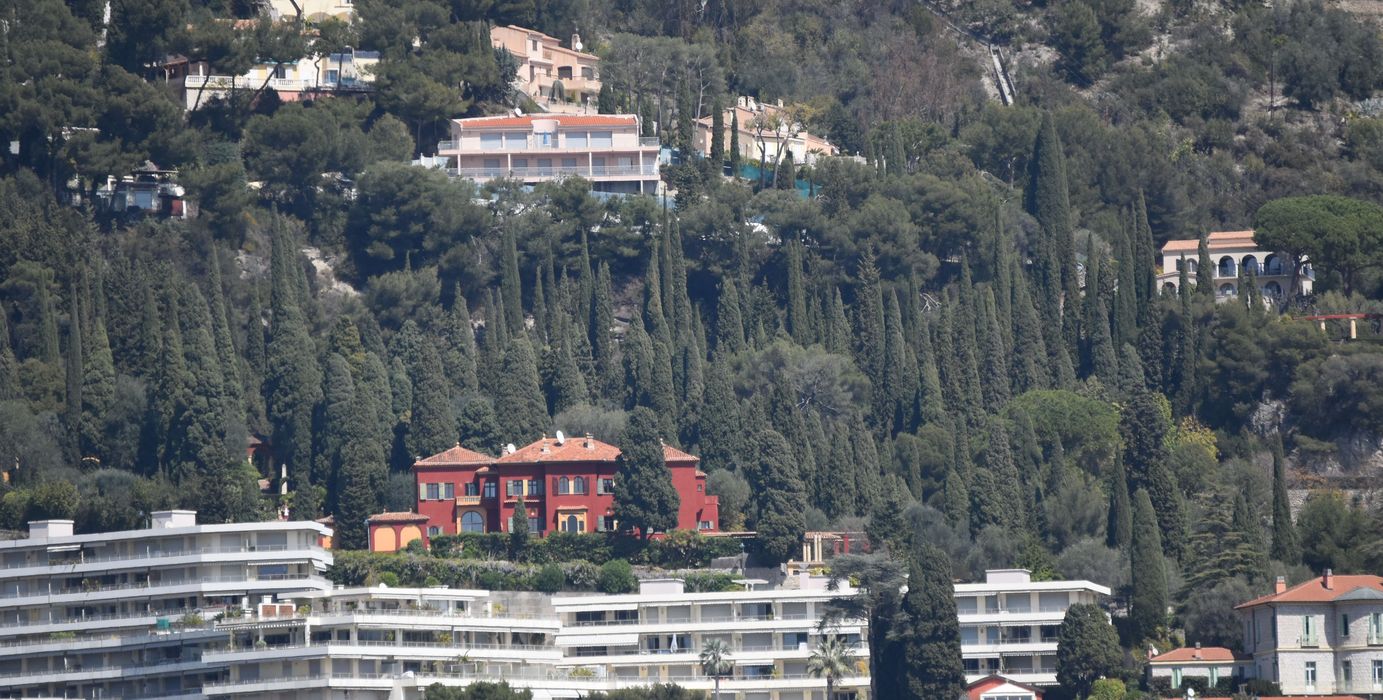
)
(521, 394)
(782, 502)
(933, 667)
(1286, 544)
(1119, 531)
(644, 496)
(1148, 603)
(729, 321)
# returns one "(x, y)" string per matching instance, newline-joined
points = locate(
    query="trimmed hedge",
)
(679, 549)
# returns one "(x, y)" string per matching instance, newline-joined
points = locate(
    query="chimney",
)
(1328, 580)
(1197, 653)
(1280, 586)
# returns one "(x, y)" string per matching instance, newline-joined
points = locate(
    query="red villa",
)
(567, 484)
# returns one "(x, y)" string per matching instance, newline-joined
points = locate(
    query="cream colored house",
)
(348, 71)
(1208, 663)
(551, 74)
(767, 132)
(1232, 252)
(605, 149)
(311, 10)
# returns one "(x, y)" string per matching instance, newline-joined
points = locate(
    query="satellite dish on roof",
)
(518, 112)
(561, 439)
(510, 449)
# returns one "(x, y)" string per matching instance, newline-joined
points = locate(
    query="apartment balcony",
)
(210, 585)
(532, 147)
(143, 560)
(1033, 676)
(421, 651)
(532, 173)
(467, 501)
(1008, 646)
(99, 673)
(535, 679)
(89, 643)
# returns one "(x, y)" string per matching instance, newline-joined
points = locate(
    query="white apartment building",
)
(127, 614)
(603, 148)
(378, 643)
(1009, 623)
(1321, 636)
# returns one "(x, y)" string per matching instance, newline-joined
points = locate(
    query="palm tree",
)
(832, 659)
(715, 661)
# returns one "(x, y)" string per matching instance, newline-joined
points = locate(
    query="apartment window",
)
(513, 487)
(1308, 631)
(598, 161)
(492, 164)
(576, 139)
(563, 486)
(607, 523)
(535, 487)
(1347, 671)
(1310, 674)
(280, 71)
(472, 521)
(448, 491)
(535, 524)
(701, 488)
(491, 490)
(546, 139)
(1377, 672)
(568, 163)
(602, 139)
(1344, 625)
(545, 165)
(433, 531)
(472, 488)
(1214, 675)
(1376, 628)
(515, 142)
(492, 142)
(578, 485)
(605, 486)
(520, 163)
(333, 76)
(434, 492)
(705, 525)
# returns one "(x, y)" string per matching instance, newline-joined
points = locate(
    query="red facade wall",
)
(547, 463)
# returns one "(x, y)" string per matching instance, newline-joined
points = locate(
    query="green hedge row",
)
(680, 549)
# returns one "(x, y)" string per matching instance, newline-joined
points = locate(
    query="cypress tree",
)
(1104, 361)
(1249, 530)
(955, 498)
(1286, 546)
(376, 392)
(691, 395)
(729, 321)
(782, 501)
(720, 426)
(339, 409)
(9, 364)
(1205, 269)
(540, 326)
(256, 350)
(1048, 199)
(1119, 531)
(521, 393)
(232, 383)
(293, 379)
(933, 667)
(896, 159)
(432, 426)
(837, 485)
(1148, 603)
(73, 413)
(735, 143)
(717, 134)
(654, 320)
(839, 333)
(459, 358)
(510, 284)
(895, 395)
(993, 354)
(870, 324)
(602, 318)
(644, 496)
(1145, 277)
(786, 177)
(98, 389)
(798, 323)
(362, 470)
(964, 345)
(480, 426)
(637, 354)
(931, 402)
(1132, 378)
(686, 113)
(886, 520)
(1126, 298)
(48, 349)
(207, 446)
(1030, 365)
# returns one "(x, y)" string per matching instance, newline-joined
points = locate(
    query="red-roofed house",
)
(1232, 252)
(1321, 636)
(549, 72)
(567, 485)
(603, 148)
(390, 532)
(997, 687)
(1208, 663)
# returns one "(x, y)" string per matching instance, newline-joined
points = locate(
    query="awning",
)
(594, 607)
(64, 547)
(598, 640)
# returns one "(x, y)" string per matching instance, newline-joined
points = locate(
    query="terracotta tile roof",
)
(1314, 590)
(579, 449)
(1299, 697)
(397, 518)
(1184, 654)
(453, 456)
(1216, 240)
(564, 120)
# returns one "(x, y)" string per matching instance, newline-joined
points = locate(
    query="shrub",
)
(709, 582)
(389, 579)
(549, 579)
(617, 576)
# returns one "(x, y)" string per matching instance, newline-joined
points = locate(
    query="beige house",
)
(311, 10)
(766, 132)
(605, 149)
(1321, 636)
(1231, 252)
(551, 74)
(349, 71)
(1208, 663)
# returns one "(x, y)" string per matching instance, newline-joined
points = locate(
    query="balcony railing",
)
(160, 555)
(468, 500)
(1310, 641)
(533, 173)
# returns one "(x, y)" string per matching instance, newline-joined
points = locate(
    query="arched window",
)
(1227, 267)
(572, 524)
(1227, 290)
(1181, 262)
(1272, 265)
(1272, 290)
(578, 485)
(472, 521)
(1169, 288)
(1251, 265)
(563, 486)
